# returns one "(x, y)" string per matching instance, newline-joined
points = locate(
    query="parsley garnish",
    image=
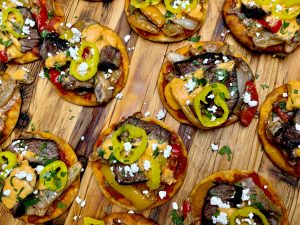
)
(176, 219)
(195, 38)
(101, 152)
(264, 86)
(256, 76)
(168, 14)
(61, 205)
(31, 201)
(44, 34)
(226, 150)
(258, 205)
(110, 148)
(71, 117)
(111, 158)
(32, 127)
(43, 146)
(50, 14)
(282, 105)
(296, 91)
(217, 213)
(284, 26)
(155, 153)
(221, 74)
(199, 82)
(46, 73)
(5, 43)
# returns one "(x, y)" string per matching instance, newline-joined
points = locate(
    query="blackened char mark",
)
(253, 11)
(153, 131)
(53, 44)
(110, 58)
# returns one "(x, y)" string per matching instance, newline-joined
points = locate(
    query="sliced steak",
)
(288, 136)
(110, 58)
(253, 11)
(153, 131)
(225, 192)
(122, 176)
(53, 44)
(101, 88)
(45, 150)
(33, 38)
(71, 83)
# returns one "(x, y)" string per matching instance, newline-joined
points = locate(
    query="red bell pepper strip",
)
(273, 25)
(54, 77)
(186, 208)
(283, 116)
(3, 56)
(247, 113)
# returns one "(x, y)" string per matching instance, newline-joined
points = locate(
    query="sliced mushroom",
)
(186, 23)
(140, 21)
(154, 15)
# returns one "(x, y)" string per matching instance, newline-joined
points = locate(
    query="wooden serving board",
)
(49, 112)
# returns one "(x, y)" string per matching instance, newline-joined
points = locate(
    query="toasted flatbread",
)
(274, 152)
(241, 33)
(89, 99)
(197, 196)
(208, 46)
(199, 16)
(120, 199)
(66, 154)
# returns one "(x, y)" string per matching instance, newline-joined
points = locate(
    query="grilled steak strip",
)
(53, 44)
(110, 58)
(123, 177)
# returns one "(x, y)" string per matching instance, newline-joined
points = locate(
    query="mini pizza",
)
(87, 63)
(139, 163)
(279, 127)
(23, 23)
(39, 177)
(10, 105)
(208, 85)
(234, 197)
(265, 25)
(120, 218)
(166, 20)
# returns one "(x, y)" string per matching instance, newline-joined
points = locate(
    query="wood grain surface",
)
(47, 112)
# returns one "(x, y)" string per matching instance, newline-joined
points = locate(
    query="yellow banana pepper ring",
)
(143, 3)
(220, 92)
(290, 9)
(244, 212)
(83, 68)
(154, 173)
(91, 221)
(8, 158)
(129, 157)
(8, 25)
(54, 176)
(180, 8)
(263, 2)
(131, 193)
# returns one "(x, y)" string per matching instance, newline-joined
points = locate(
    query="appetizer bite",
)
(265, 25)
(279, 127)
(10, 106)
(234, 197)
(120, 218)
(165, 20)
(87, 63)
(23, 23)
(139, 163)
(208, 85)
(39, 177)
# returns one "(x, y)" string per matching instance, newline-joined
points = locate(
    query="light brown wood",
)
(49, 112)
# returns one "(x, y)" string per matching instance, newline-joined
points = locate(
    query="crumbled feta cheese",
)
(297, 127)
(285, 95)
(75, 218)
(161, 114)
(119, 96)
(265, 186)
(190, 85)
(29, 177)
(16, 2)
(188, 102)
(83, 68)
(213, 109)
(214, 147)
(73, 52)
(69, 25)
(213, 118)
(111, 88)
(39, 169)
(162, 194)
(247, 99)
(145, 192)
(25, 30)
(6, 193)
(130, 212)
(218, 202)
(82, 204)
(167, 151)
(127, 147)
(110, 71)
(222, 34)
(211, 96)
(21, 175)
(76, 35)
(78, 200)
(42, 74)
(257, 34)
(29, 22)
(245, 196)
(146, 114)
(154, 146)
(205, 61)
(217, 61)
(127, 38)
(175, 205)
(147, 165)
(221, 218)
(278, 8)
(35, 192)
(225, 58)
(134, 168)
(25, 69)
(82, 138)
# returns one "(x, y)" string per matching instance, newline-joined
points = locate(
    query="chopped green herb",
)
(43, 146)
(222, 95)
(61, 205)
(50, 14)
(226, 150)
(282, 105)
(256, 76)
(71, 117)
(48, 161)
(234, 89)
(46, 73)
(75, 17)
(110, 148)
(221, 74)
(199, 82)
(101, 152)
(207, 113)
(264, 86)
(296, 91)
(44, 34)
(57, 183)
(111, 158)
(5, 43)
(155, 153)
(258, 205)
(238, 184)
(63, 174)
(253, 197)
(284, 25)
(200, 47)
(217, 213)
(67, 53)
(168, 14)
(176, 219)
(31, 201)
(195, 38)
(32, 127)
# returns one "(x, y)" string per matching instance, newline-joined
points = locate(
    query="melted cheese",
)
(60, 59)
(293, 101)
(20, 74)
(15, 185)
(228, 66)
(167, 176)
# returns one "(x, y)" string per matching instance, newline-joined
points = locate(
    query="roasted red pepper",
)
(3, 56)
(273, 26)
(186, 208)
(283, 116)
(54, 77)
(247, 113)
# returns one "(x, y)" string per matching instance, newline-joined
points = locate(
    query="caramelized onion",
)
(186, 23)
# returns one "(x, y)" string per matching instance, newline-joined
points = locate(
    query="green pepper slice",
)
(289, 10)
(91, 221)
(143, 3)
(244, 212)
(8, 158)
(88, 60)
(54, 176)
(178, 9)
(8, 24)
(137, 150)
(154, 173)
(220, 92)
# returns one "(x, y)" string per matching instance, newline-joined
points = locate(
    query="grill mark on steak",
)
(125, 178)
(110, 58)
(53, 44)
(153, 131)
(45, 150)
(33, 38)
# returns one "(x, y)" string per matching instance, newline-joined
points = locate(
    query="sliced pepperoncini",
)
(131, 193)
(129, 157)
(221, 93)
(11, 18)
(54, 176)
(8, 158)
(263, 2)
(143, 3)
(288, 9)
(86, 66)
(244, 212)
(154, 173)
(183, 7)
(91, 221)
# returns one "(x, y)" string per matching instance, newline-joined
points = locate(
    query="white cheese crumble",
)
(130, 212)
(161, 114)
(190, 85)
(297, 127)
(119, 96)
(42, 74)
(218, 202)
(69, 25)
(245, 196)
(285, 95)
(16, 2)
(247, 99)
(35, 192)
(188, 102)
(162, 194)
(221, 218)
(146, 114)
(29, 22)
(127, 38)
(211, 96)
(154, 146)
(214, 147)
(134, 168)
(82, 204)
(82, 138)
(76, 35)
(145, 192)
(6, 193)
(213, 118)
(167, 151)
(25, 30)
(127, 147)
(265, 187)
(213, 109)
(175, 205)
(83, 68)
(78, 200)
(39, 169)
(147, 165)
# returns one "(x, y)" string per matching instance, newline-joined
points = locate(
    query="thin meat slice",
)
(110, 58)
(123, 174)
(53, 44)
(71, 83)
